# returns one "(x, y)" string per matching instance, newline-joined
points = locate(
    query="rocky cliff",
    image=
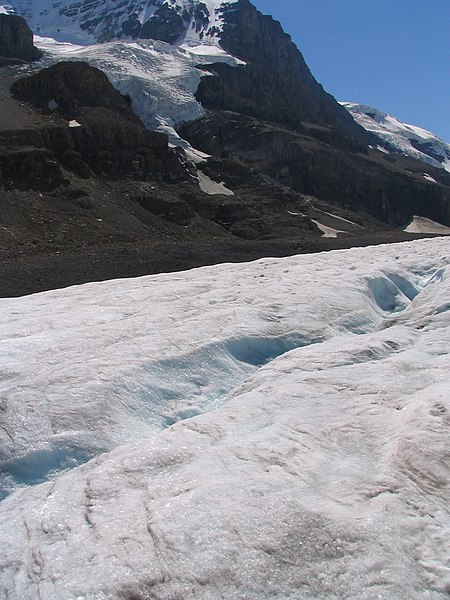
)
(275, 84)
(16, 40)
(390, 188)
(92, 130)
(69, 86)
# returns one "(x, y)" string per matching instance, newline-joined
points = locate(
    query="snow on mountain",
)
(6, 9)
(160, 79)
(400, 137)
(271, 429)
(89, 21)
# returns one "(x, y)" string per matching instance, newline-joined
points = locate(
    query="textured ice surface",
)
(277, 429)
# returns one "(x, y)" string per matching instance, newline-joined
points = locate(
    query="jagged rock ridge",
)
(93, 20)
(276, 84)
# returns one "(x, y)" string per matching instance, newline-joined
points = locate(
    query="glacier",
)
(402, 138)
(275, 429)
(160, 79)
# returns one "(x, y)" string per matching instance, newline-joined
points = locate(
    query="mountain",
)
(401, 138)
(270, 429)
(253, 157)
(276, 84)
(89, 21)
(16, 40)
(275, 428)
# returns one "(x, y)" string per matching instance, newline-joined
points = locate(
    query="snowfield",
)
(276, 429)
(402, 138)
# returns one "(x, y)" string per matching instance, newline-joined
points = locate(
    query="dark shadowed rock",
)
(170, 22)
(275, 84)
(392, 189)
(106, 139)
(166, 25)
(69, 86)
(16, 40)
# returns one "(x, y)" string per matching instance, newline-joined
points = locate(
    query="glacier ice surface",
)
(271, 429)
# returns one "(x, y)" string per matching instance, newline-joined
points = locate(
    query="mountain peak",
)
(88, 21)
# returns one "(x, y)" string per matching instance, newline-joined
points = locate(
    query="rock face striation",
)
(16, 40)
(91, 129)
(70, 86)
(389, 188)
(275, 85)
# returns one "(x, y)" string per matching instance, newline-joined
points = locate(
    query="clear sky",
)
(393, 55)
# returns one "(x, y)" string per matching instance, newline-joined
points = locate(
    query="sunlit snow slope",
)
(276, 429)
(400, 137)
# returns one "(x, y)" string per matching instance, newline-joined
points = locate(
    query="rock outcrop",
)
(92, 131)
(16, 40)
(67, 87)
(275, 85)
(391, 189)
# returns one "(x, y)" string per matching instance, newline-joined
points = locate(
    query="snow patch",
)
(424, 225)
(211, 187)
(211, 53)
(328, 232)
(6, 9)
(429, 178)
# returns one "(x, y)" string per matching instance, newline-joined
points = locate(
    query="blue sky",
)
(390, 54)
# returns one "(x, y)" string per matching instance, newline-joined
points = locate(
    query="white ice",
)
(276, 429)
(403, 137)
(6, 9)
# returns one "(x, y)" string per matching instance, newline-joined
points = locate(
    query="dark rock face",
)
(69, 86)
(108, 139)
(102, 145)
(165, 25)
(385, 187)
(16, 39)
(276, 84)
(169, 23)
